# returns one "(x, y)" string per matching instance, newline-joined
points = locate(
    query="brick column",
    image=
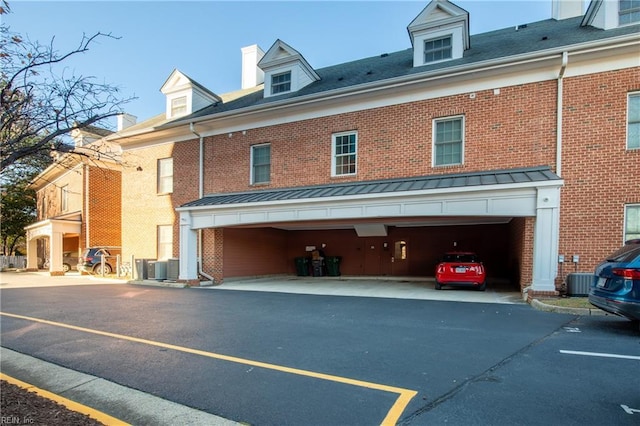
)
(218, 255)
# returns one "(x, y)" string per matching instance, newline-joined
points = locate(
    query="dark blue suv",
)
(616, 288)
(91, 260)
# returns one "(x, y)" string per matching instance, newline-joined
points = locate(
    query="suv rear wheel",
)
(99, 271)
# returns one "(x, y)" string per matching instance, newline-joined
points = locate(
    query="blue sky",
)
(203, 38)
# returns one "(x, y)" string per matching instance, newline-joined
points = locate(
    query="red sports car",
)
(459, 268)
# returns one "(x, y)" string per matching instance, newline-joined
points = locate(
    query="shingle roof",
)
(530, 38)
(494, 177)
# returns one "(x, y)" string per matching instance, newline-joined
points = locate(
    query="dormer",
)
(285, 70)
(184, 95)
(88, 134)
(439, 33)
(609, 14)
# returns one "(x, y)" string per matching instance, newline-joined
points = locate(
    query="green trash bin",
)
(302, 266)
(333, 265)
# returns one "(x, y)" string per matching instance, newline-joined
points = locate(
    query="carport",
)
(59, 234)
(384, 227)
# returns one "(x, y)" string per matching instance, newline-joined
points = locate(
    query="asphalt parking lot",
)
(280, 358)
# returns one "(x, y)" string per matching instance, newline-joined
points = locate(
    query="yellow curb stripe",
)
(71, 405)
(405, 395)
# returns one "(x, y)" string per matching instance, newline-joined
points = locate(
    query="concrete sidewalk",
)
(23, 279)
(386, 287)
(126, 404)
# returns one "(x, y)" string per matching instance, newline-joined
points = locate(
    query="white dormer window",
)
(285, 70)
(629, 11)
(437, 49)
(439, 33)
(178, 106)
(281, 83)
(184, 96)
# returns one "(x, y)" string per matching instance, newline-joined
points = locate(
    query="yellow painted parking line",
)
(404, 395)
(71, 405)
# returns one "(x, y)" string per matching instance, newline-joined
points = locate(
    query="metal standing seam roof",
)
(494, 177)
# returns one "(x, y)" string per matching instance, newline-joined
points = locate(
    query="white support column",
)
(188, 249)
(32, 253)
(546, 236)
(55, 255)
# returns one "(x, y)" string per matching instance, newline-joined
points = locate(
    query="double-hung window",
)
(344, 153)
(64, 198)
(165, 175)
(261, 164)
(632, 222)
(165, 242)
(281, 83)
(178, 106)
(448, 141)
(629, 12)
(437, 49)
(633, 121)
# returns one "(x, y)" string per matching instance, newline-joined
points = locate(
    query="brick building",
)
(521, 144)
(78, 203)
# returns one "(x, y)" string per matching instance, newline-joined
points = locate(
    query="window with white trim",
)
(178, 106)
(261, 164)
(165, 242)
(632, 222)
(448, 141)
(64, 198)
(344, 149)
(628, 12)
(437, 49)
(165, 175)
(633, 121)
(281, 83)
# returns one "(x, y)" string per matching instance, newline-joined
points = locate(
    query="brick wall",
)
(143, 208)
(601, 175)
(104, 207)
(512, 129)
(49, 198)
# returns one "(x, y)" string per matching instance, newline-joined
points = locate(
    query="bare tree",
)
(39, 107)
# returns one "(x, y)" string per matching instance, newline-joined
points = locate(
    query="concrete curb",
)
(541, 306)
(126, 404)
(153, 283)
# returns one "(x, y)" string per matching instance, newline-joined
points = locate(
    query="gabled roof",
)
(96, 131)
(439, 13)
(178, 80)
(485, 178)
(280, 53)
(548, 36)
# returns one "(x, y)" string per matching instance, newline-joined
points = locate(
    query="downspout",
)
(200, 195)
(559, 106)
(85, 214)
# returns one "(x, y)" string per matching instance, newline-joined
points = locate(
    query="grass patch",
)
(569, 302)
